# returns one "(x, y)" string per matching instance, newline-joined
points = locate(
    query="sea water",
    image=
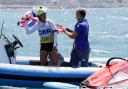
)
(108, 35)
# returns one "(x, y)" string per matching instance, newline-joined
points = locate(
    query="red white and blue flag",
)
(30, 19)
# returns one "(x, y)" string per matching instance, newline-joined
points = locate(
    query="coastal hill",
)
(65, 3)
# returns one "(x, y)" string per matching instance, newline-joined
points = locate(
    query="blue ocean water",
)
(108, 34)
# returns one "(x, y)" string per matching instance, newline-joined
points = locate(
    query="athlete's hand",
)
(69, 30)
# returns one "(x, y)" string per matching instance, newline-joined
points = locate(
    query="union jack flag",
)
(29, 18)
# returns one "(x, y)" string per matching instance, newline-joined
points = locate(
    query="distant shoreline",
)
(55, 7)
(58, 7)
(66, 4)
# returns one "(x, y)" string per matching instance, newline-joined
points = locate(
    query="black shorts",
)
(46, 47)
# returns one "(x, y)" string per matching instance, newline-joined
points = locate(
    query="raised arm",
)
(30, 30)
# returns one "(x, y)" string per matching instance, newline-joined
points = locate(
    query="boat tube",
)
(35, 76)
(21, 73)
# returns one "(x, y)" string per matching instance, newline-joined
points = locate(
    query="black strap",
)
(115, 58)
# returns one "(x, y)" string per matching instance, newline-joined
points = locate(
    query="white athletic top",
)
(45, 31)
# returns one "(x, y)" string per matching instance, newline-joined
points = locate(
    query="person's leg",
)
(54, 56)
(84, 61)
(43, 54)
(84, 57)
(43, 57)
(74, 60)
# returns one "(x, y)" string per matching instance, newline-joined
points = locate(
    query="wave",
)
(119, 18)
(100, 51)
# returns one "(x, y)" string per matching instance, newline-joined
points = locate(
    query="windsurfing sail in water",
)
(30, 19)
(113, 76)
